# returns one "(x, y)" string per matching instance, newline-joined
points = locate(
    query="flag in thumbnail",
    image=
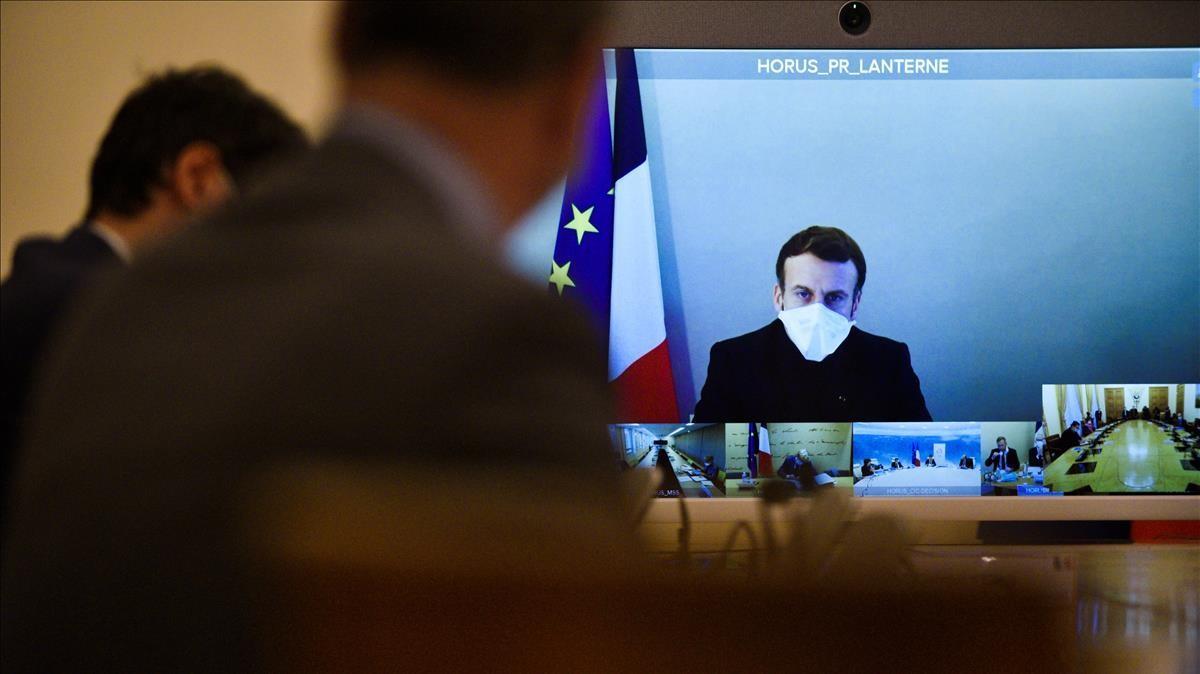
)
(752, 451)
(766, 467)
(1072, 410)
(606, 253)
(916, 455)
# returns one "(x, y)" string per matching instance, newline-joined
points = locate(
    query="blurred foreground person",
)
(180, 144)
(214, 412)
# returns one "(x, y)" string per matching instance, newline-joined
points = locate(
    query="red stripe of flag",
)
(645, 391)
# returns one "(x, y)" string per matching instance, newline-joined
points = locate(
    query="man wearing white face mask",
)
(812, 363)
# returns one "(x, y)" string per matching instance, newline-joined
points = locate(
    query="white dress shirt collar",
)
(114, 240)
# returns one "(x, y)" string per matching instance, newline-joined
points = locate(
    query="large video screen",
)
(882, 236)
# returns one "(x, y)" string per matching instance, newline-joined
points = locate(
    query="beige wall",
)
(1051, 401)
(1018, 435)
(65, 66)
(828, 444)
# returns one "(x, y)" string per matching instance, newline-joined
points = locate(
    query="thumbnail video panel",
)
(688, 458)
(808, 456)
(1013, 459)
(917, 459)
(1121, 438)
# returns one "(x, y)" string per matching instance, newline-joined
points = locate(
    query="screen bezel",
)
(1052, 24)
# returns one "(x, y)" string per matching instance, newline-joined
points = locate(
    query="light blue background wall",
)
(1017, 232)
(959, 441)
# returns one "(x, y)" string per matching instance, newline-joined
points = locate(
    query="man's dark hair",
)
(1000, 438)
(170, 111)
(494, 43)
(827, 243)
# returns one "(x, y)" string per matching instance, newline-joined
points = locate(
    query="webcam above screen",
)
(855, 257)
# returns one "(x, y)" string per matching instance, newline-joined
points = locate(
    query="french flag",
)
(766, 467)
(916, 456)
(639, 364)
(606, 252)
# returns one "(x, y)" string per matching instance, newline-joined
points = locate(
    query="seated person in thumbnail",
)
(1179, 420)
(929, 461)
(1070, 437)
(710, 468)
(1003, 457)
(1088, 427)
(1036, 458)
(812, 363)
(867, 470)
(794, 464)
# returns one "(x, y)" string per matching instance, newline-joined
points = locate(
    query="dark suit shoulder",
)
(42, 260)
(865, 340)
(751, 341)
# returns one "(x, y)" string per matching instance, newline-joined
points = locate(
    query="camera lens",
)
(855, 18)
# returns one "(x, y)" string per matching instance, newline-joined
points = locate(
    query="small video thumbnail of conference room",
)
(916, 459)
(1013, 458)
(1122, 438)
(689, 457)
(808, 456)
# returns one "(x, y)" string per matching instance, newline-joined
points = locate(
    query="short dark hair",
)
(827, 243)
(477, 42)
(1001, 437)
(173, 109)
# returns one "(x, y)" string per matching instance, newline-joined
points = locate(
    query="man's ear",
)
(198, 178)
(778, 295)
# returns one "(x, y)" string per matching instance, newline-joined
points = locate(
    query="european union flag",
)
(752, 451)
(582, 265)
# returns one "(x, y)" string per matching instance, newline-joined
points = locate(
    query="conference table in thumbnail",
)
(753, 486)
(692, 482)
(1009, 483)
(1135, 456)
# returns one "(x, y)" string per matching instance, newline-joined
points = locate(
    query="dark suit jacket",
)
(1069, 439)
(341, 315)
(1010, 459)
(789, 468)
(762, 375)
(1035, 459)
(45, 276)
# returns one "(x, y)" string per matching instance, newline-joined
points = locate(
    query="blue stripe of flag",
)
(752, 451)
(630, 150)
(588, 186)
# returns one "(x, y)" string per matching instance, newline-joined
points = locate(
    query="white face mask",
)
(815, 329)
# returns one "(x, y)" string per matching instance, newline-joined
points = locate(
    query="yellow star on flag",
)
(558, 275)
(581, 223)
